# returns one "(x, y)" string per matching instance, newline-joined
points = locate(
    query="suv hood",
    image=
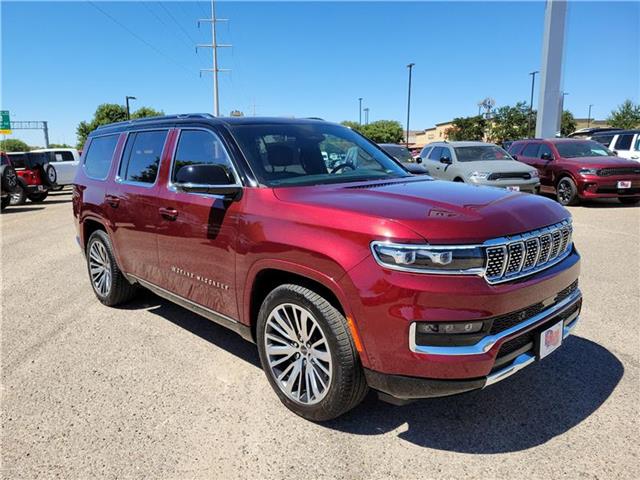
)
(494, 166)
(602, 162)
(438, 211)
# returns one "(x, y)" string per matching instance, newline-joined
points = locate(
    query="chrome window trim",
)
(121, 181)
(172, 186)
(488, 342)
(84, 156)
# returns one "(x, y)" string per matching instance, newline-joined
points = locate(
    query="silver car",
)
(478, 163)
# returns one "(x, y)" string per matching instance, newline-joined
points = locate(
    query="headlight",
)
(475, 176)
(588, 171)
(467, 260)
(534, 174)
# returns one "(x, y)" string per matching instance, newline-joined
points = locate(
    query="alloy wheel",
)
(100, 268)
(298, 354)
(564, 191)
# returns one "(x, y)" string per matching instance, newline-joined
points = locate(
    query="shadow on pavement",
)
(12, 209)
(539, 403)
(596, 203)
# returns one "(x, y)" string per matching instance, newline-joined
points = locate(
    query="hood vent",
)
(381, 184)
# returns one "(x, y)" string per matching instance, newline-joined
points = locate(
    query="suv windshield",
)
(586, 148)
(398, 152)
(481, 153)
(312, 153)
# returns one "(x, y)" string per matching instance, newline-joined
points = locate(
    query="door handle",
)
(112, 200)
(168, 213)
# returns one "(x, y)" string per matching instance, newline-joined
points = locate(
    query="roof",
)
(206, 118)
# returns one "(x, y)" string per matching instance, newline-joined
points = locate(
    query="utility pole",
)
(589, 116)
(360, 111)
(214, 46)
(410, 67)
(366, 116)
(126, 99)
(533, 83)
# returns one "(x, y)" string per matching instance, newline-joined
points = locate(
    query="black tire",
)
(37, 197)
(49, 175)
(5, 202)
(18, 196)
(120, 290)
(629, 200)
(567, 192)
(458, 179)
(347, 386)
(9, 178)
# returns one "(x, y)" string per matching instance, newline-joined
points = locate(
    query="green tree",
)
(352, 125)
(59, 145)
(383, 131)
(110, 113)
(13, 145)
(626, 116)
(467, 128)
(568, 124)
(509, 123)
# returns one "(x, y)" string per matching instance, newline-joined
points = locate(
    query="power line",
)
(138, 37)
(177, 23)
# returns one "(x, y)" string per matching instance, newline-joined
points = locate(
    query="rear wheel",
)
(308, 355)
(50, 176)
(629, 201)
(37, 197)
(108, 282)
(567, 192)
(8, 178)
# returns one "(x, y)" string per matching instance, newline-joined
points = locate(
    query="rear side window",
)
(199, 147)
(98, 158)
(515, 148)
(544, 148)
(62, 156)
(624, 142)
(603, 139)
(531, 150)
(141, 157)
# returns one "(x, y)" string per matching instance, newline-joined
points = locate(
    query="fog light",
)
(449, 328)
(591, 187)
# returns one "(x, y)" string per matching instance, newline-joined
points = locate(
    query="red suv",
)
(575, 169)
(36, 176)
(347, 277)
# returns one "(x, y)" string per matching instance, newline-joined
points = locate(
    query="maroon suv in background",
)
(575, 169)
(348, 276)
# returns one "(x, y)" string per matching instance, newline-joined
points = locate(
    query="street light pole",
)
(366, 116)
(533, 82)
(589, 116)
(127, 98)
(360, 111)
(560, 115)
(410, 67)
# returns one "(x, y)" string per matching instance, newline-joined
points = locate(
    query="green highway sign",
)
(5, 123)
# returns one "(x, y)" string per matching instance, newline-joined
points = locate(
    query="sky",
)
(60, 60)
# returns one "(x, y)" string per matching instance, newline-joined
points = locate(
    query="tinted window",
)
(98, 158)
(544, 148)
(18, 159)
(289, 153)
(481, 153)
(603, 139)
(197, 147)
(446, 152)
(425, 152)
(531, 150)
(435, 154)
(624, 142)
(515, 148)
(62, 156)
(142, 156)
(398, 152)
(582, 148)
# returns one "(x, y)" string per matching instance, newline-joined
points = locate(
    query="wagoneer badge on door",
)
(199, 278)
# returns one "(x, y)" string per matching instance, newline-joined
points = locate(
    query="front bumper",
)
(607, 187)
(531, 186)
(408, 388)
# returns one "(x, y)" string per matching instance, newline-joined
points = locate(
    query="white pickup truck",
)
(65, 161)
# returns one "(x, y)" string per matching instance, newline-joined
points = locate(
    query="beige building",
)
(433, 134)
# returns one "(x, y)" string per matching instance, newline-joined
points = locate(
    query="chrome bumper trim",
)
(484, 345)
(526, 358)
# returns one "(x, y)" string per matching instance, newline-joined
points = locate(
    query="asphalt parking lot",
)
(150, 390)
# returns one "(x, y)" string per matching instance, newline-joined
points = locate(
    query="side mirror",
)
(418, 159)
(546, 156)
(415, 169)
(207, 178)
(514, 156)
(445, 160)
(615, 152)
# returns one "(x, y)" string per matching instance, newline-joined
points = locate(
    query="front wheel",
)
(108, 282)
(308, 354)
(18, 196)
(567, 192)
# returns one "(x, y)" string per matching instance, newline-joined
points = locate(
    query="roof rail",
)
(138, 121)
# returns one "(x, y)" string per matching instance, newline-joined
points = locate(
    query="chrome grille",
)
(520, 255)
(608, 172)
